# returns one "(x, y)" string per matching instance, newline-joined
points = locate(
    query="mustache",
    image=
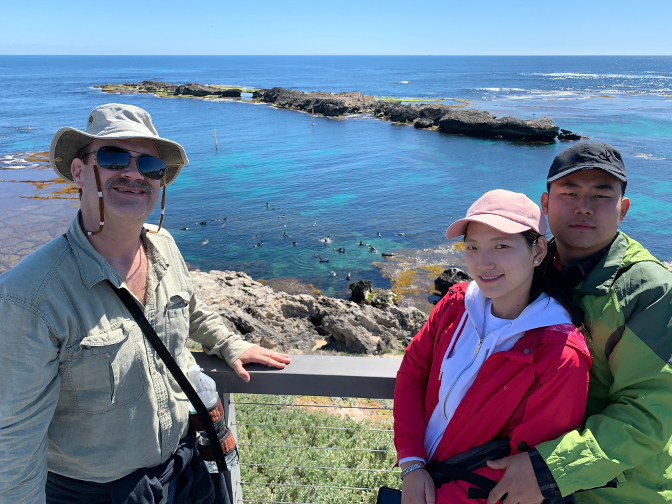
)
(131, 184)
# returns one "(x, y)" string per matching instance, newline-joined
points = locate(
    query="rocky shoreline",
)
(450, 119)
(305, 323)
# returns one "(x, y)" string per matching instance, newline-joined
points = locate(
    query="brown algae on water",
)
(413, 272)
(35, 207)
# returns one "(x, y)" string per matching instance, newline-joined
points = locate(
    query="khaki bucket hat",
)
(113, 121)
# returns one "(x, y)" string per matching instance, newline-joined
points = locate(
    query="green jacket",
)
(627, 301)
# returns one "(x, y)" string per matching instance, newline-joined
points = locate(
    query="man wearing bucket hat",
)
(626, 297)
(85, 403)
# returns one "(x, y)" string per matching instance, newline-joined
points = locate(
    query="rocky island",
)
(451, 119)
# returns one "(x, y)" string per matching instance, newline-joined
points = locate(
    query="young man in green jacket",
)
(626, 296)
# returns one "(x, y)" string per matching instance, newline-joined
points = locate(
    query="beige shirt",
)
(78, 376)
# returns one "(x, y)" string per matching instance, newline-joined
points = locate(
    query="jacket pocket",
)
(106, 371)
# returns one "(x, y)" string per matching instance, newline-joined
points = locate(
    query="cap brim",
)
(67, 141)
(585, 167)
(498, 222)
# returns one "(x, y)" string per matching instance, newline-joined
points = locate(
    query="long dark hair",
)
(547, 279)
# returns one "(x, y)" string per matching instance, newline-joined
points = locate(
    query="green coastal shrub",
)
(363, 441)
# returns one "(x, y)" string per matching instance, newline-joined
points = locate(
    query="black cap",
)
(587, 156)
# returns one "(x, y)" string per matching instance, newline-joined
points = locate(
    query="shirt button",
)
(107, 355)
(153, 371)
(163, 411)
(527, 350)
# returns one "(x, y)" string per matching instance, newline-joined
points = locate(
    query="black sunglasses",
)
(116, 158)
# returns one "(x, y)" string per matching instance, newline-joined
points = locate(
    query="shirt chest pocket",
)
(177, 325)
(105, 371)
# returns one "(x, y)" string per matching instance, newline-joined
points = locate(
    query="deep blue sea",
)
(353, 178)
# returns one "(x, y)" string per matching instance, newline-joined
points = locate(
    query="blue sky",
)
(434, 27)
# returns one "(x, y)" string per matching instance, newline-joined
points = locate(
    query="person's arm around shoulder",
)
(556, 405)
(637, 424)
(207, 327)
(29, 391)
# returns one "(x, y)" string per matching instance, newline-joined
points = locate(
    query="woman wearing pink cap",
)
(499, 366)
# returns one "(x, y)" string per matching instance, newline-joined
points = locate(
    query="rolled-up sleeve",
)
(29, 390)
(208, 328)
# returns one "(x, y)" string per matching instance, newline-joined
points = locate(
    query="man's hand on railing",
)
(262, 356)
(417, 487)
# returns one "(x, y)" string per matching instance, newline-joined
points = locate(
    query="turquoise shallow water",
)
(350, 179)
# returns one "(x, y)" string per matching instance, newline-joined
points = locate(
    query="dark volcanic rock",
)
(320, 102)
(382, 108)
(432, 112)
(423, 123)
(403, 113)
(383, 298)
(482, 123)
(193, 89)
(450, 120)
(232, 92)
(450, 277)
(154, 87)
(360, 290)
(568, 135)
(334, 108)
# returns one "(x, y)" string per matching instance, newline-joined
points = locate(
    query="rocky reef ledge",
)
(445, 118)
(189, 90)
(305, 323)
(452, 119)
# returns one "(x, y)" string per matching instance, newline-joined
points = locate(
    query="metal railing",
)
(358, 378)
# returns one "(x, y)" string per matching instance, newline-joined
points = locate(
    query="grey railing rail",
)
(309, 375)
(313, 375)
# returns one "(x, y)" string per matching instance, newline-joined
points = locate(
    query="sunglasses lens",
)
(151, 167)
(113, 158)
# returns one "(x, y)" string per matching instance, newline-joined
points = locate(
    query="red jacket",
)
(531, 393)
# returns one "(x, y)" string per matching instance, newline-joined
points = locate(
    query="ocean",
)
(343, 180)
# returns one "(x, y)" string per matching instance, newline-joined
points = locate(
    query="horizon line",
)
(362, 55)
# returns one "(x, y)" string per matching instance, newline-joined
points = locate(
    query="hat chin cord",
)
(101, 206)
(163, 206)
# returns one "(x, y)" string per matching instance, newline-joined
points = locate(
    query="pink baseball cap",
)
(506, 211)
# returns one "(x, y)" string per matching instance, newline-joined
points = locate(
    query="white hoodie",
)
(461, 364)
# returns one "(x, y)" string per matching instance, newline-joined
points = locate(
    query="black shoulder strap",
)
(175, 370)
(442, 472)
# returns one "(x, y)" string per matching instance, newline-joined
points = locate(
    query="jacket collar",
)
(541, 312)
(93, 267)
(602, 276)
(575, 272)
